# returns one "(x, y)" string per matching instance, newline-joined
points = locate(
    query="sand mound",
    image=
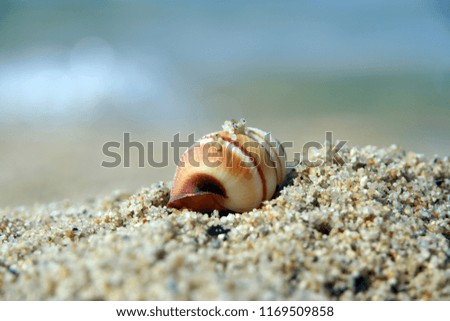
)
(376, 228)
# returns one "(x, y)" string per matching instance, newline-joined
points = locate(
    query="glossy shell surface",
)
(235, 170)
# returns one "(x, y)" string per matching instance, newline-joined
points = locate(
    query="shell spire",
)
(235, 169)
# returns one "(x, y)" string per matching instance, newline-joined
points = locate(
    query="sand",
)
(375, 228)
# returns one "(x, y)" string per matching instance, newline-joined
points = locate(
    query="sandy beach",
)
(375, 228)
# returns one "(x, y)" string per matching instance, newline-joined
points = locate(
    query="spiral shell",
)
(235, 169)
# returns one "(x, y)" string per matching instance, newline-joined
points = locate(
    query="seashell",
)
(235, 169)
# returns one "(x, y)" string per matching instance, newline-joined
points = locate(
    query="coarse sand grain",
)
(375, 228)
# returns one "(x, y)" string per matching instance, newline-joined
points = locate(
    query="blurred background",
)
(76, 74)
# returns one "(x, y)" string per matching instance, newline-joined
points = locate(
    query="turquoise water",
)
(81, 59)
(178, 65)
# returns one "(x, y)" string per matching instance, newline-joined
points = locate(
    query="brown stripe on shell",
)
(281, 163)
(265, 149)
(258, 166)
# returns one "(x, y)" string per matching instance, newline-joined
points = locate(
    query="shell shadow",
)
(291, 174)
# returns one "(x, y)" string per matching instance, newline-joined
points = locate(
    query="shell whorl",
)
(235, 169)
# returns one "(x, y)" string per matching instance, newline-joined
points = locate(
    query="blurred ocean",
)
(74, 74)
